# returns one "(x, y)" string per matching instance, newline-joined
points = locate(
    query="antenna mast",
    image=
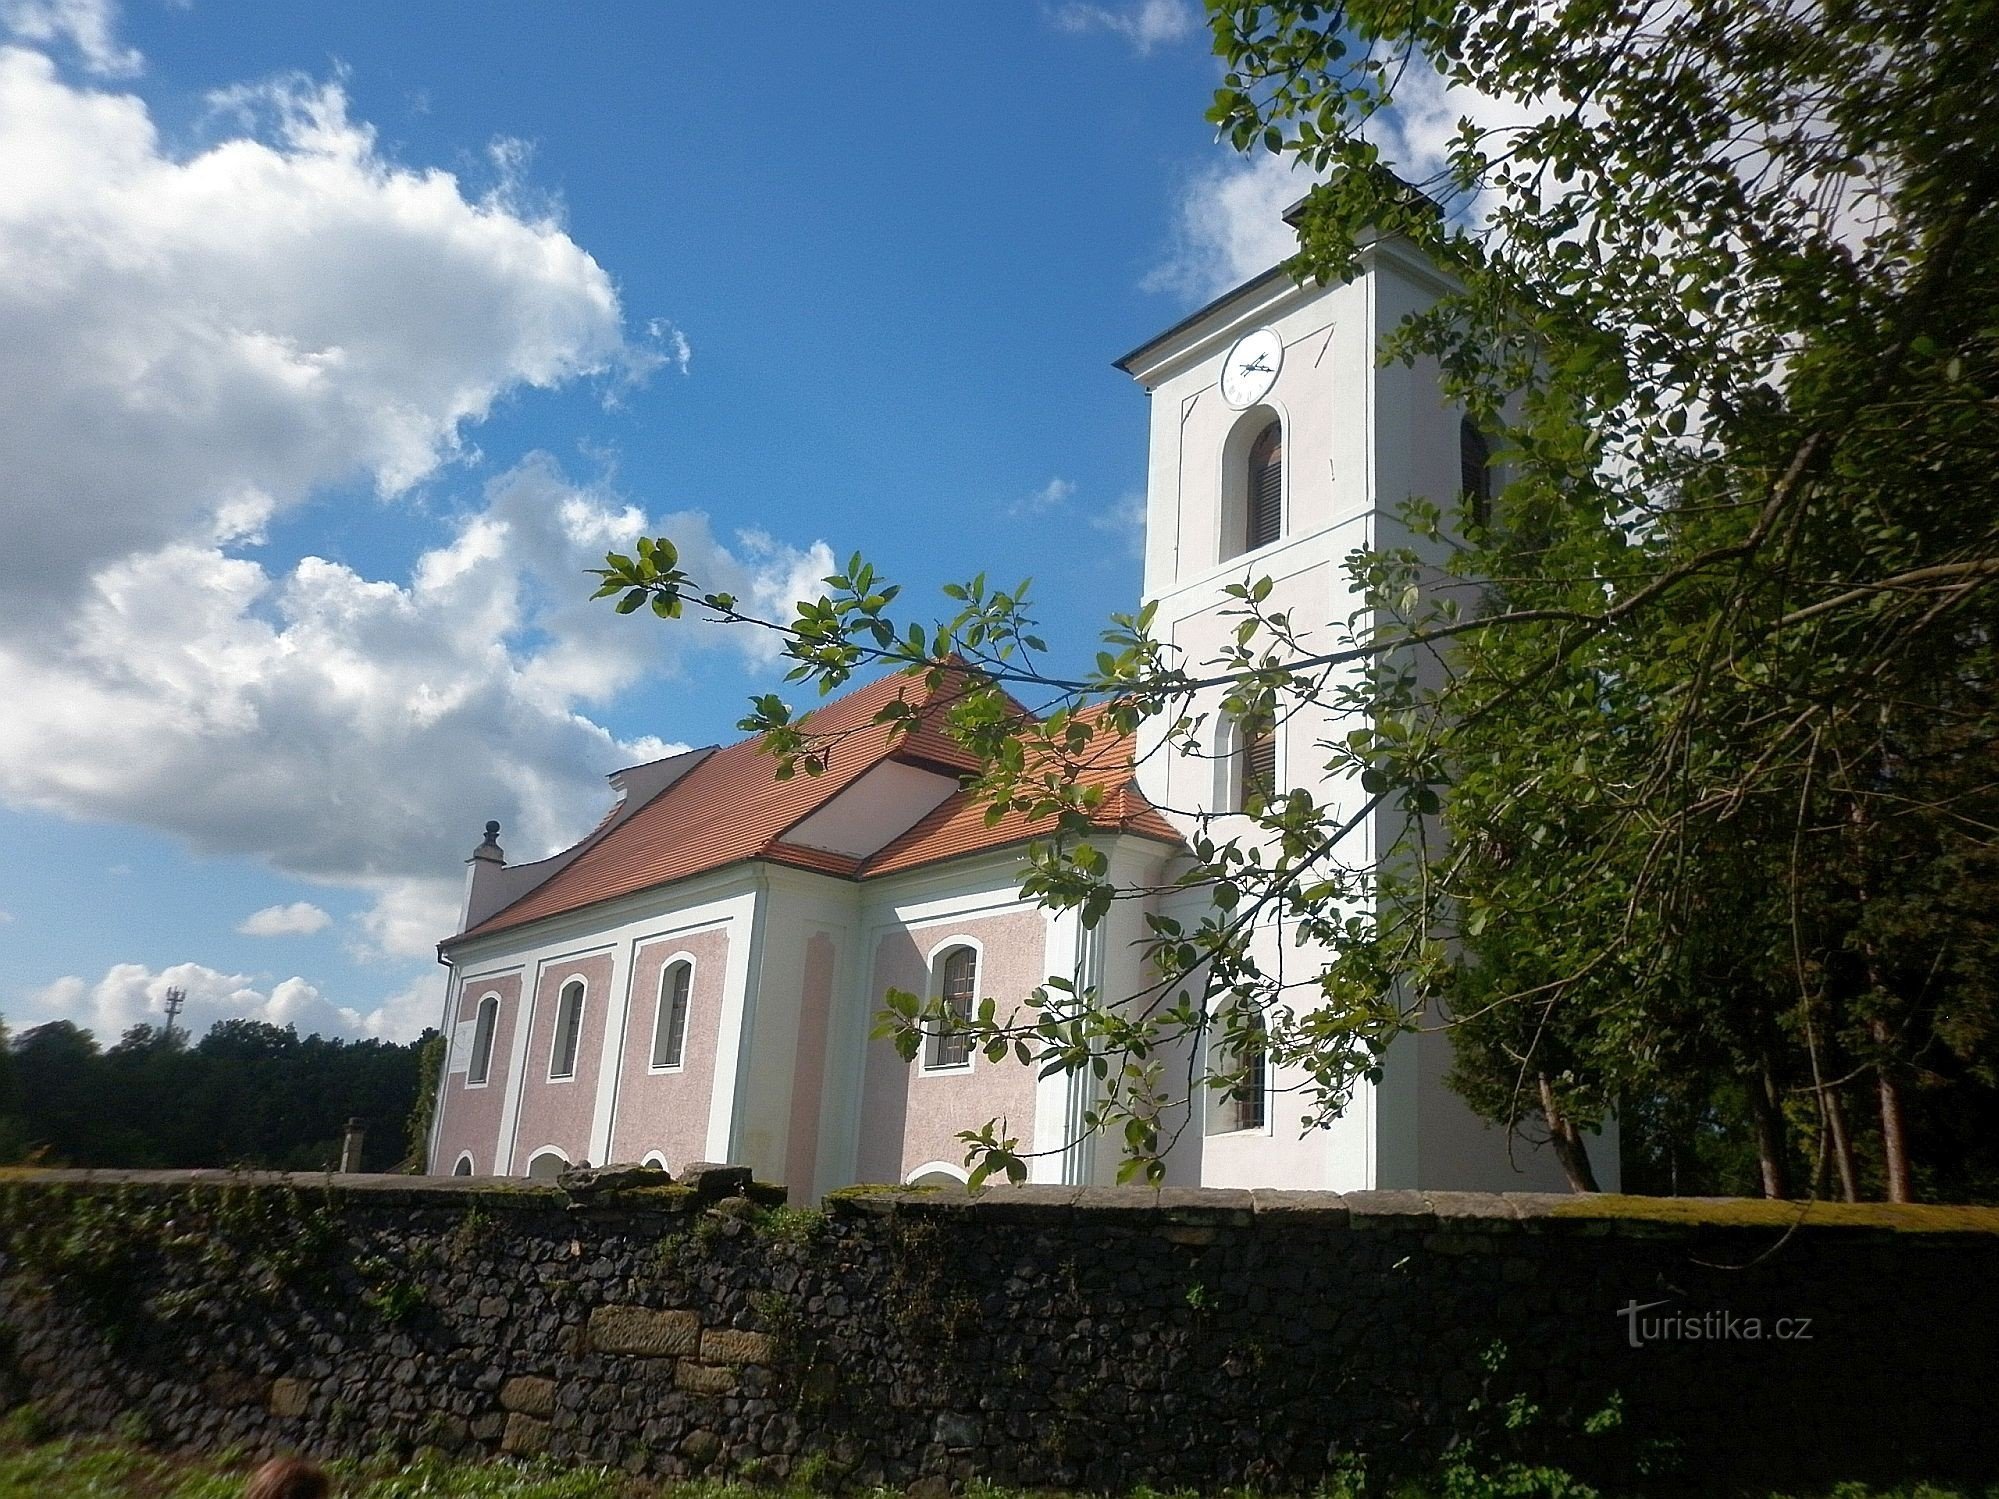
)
(173, 1002)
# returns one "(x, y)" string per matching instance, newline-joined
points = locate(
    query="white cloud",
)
(671, 342)
(131, 993)
(1125, 521)
(1229, 225)
(187, 346)
(88, 26)
(1229, 219)
(299, 919)
(1051, 496)
(212, 339)
(357, 731)
(1146, 24)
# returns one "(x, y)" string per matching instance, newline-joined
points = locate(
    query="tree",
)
(1715, 741)
(247, 1094)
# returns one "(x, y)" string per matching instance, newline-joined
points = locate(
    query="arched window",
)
(1265, 508)
(1474, 472)
(568, 1031)
(669, 1024)
(482, 1041)
(937, 1174)
(949, 1043)
(655, 1160)
(547, 1164)
(1248, 778)
(464, 1166)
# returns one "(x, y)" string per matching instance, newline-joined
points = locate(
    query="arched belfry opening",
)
(1253, 484)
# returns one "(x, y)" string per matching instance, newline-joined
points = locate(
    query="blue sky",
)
(336, 340)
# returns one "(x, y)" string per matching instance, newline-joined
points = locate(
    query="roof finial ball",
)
(490, 849)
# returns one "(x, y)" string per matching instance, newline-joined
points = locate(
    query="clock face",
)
(1251, 367)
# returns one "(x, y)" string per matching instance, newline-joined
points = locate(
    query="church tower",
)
(1279, 445)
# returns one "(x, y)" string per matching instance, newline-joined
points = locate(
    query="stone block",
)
(1388, 1209)
(524, 1436)
(955, 1430)
(1313, 1209)
(1194, 1235)
(1030, 1202)
(1206, 1204)
(1117, 1203)
(704, 1379)
(290, 1397)
(529, 1394)
(700, 1447)
(227, 1387)
(725, 1345)
(643, 1331)
(711, 1181)
(1477, 1212)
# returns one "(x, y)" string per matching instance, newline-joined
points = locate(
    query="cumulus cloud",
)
(1229, 225)
(131, 994)
(1146, 24)
(211, 339)
(1229, 213)
(89, 27)
(1051, 496)
(299, 919)
(187, 347)
(358, 731)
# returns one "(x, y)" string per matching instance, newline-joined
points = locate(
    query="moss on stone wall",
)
(1048, 1336)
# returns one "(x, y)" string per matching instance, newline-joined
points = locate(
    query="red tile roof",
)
(731, 807)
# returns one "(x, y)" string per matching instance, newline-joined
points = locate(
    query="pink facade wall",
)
(909, 1118)
(668, 1111)
(560, 1113)
(808, 1079)
(471, 1115)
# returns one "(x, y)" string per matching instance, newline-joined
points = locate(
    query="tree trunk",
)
(1842, 1146)
(1894, 1129)
(1768, 1121)
(1570, 1148)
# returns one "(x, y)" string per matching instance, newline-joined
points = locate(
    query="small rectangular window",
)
(568, 1032)
(950, 1043)
(482, 1041)
(1245, 1103)
(669, 1037)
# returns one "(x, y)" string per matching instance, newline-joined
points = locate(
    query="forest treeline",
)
(247, 1094)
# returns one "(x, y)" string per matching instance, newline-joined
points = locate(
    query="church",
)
(698, 978)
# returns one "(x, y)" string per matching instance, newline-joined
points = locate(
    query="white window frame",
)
(957, 1174)
(935, 989)
(653, 1066)
(656, 1158)
(465, 1160)
(555, 1035)
(483, 1065)
(1221, 1106)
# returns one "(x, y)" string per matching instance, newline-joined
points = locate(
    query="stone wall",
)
(1035, 1336)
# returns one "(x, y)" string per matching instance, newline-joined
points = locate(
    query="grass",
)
(36, 1466)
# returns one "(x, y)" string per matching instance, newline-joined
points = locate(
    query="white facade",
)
(790, 965)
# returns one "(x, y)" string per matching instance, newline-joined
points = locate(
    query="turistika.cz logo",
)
(1642, 1325)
